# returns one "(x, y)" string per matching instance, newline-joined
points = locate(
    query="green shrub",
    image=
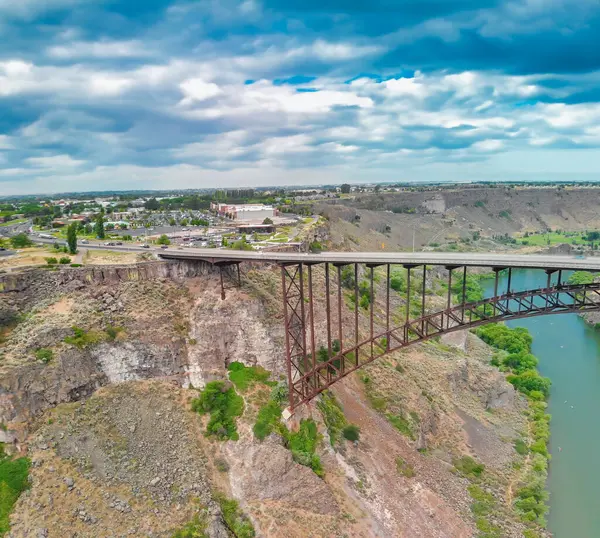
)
(468, 467)
(221, 465)
(404, 468)
(244, 376)
(13, 481)
(333, 416)
(82, 339)
(280, 393)
(196, 528)
(237, 522)
(351, 432)
(529, 381)
(20, 241)
(51, 260)
(224, 405)
(521, 447)
(64, 260)
(112, 332)
(401, 424)
(76, 265)
(303, 445)
(267, 419)
(44, 354)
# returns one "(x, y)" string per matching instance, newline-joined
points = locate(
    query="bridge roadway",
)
(468, 259)
(459, 259)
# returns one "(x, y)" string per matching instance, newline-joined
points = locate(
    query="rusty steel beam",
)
(328, 309)
(312, 318)
(387, 307)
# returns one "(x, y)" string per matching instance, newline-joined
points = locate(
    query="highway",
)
(469, 259)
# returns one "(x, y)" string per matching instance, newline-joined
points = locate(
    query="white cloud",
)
(196, 89)
(55, 161)
(100, 49)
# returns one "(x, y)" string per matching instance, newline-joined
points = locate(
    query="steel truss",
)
(308, 374)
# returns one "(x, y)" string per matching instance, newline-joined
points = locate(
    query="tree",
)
(163, 240)
(99, 226)
(268, 221)
(152, 204)
(20, 241)
(72, 238)
(345, 188)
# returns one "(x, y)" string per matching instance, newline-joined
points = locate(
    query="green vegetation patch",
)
(13, 481)
(196, 528)
(224, 405)
(81, 338)
(404, 468)
(267, 420)
(468, 467)
(237, 522)
(403, 425)
(333, 415)
(44, 354)
(351, 433)
(303, 445)
(243, 377)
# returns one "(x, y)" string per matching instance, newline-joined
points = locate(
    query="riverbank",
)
(528, 491)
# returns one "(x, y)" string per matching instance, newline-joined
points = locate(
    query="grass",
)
(44, 354)
(243, 377)
(267, 420)
(196, 528)
(351, 432)
(12, 222)
(404, 468)
(468, 467)
(13, 481)
(333, 416)
(237, 522)
(81, 338)
(224, 405)
(303, 445)
(401, 424)
(554, 238)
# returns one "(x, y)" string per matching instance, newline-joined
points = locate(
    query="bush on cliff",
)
(224, 405)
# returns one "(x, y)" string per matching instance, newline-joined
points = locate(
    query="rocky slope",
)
(368, 221)
(117, 450)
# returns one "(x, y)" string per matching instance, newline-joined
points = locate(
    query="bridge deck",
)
(469, 259)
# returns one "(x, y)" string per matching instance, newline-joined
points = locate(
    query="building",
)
(245, 212)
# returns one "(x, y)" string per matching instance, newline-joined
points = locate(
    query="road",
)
(468, 259)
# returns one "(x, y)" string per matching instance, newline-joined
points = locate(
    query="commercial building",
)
(244, 212)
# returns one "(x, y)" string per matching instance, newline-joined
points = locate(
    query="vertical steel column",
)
(423, 299)
(288, 355)
(464, 292)
(356, 306)
(222, 286)
(496, 271)
(387, 309)
(372, 307)
(449, 299)
(312, 324)
(340, 333)
(509, 279)
(238, 275)
(548, 284)
(558, 281)
(328, 308)
(301, 276)
(408, 295)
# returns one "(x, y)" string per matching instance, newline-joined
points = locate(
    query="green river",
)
(569, 353)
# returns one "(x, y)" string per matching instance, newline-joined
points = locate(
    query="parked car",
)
(118, 243)
(145, 246)
(109, 244)
(164, 246)
(84, 241)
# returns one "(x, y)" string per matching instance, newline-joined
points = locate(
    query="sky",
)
(160, 94)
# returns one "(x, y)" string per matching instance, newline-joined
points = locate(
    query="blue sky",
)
(106, 94)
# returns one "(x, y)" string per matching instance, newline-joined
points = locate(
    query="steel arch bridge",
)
(321, 296)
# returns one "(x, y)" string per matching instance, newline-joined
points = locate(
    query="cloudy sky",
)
(107, 94)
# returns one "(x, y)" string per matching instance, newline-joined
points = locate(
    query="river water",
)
(569, 353)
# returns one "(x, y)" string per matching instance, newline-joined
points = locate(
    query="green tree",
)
(163, 240)
(345, 188)
(99, 226)
(20, 241)
(152, 204)
(72, 238)
(268, 221)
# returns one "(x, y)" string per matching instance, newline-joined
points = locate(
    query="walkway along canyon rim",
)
(348, 350)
